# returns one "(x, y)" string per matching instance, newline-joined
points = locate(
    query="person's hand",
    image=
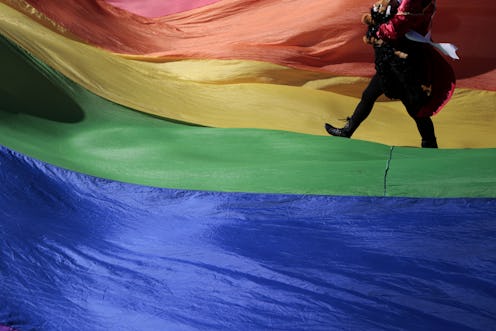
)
(372, 40)
(367, 19)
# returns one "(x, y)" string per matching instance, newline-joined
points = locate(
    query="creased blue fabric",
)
(84, 253)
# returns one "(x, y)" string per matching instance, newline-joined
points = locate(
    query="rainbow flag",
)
(164, 166)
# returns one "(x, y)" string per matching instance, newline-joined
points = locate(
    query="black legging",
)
(373, 91)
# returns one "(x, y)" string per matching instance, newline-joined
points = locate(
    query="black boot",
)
(426, 130)
(431, 143)
(346, 131)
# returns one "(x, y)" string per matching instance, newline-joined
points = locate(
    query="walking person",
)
(404, 67)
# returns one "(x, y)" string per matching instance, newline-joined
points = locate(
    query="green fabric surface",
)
(48, 117)
(444, 172)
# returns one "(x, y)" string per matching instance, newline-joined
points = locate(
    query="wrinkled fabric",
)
(238, 94)
(157, 8)
(329, 242)
(313, 35)
(6, 328)
(84, 253)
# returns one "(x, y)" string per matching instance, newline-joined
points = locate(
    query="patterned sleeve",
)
(412, 15)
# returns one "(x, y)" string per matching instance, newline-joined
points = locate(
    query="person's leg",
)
(410, 74)
(373, 91)
(424, 124)
(426, 130)
(413, 103)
